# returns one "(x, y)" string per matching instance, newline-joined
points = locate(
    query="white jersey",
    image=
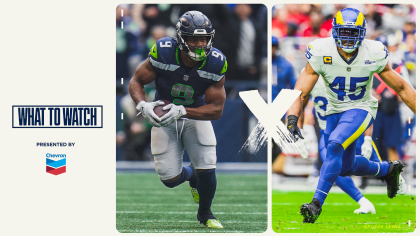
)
(348, 86)
(320, 103)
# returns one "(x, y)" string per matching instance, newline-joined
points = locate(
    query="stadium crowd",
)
(241, 34)
(295, 25)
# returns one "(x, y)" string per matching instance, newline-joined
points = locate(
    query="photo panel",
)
(354, 170)
(187, 159)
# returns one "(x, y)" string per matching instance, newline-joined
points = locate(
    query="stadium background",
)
(242, 175)
(295, 25)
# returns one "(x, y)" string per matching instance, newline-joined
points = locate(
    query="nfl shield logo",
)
(348, 69)
(186, 77)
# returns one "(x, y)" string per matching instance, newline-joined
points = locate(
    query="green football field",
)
(392, 215)
(144, 204)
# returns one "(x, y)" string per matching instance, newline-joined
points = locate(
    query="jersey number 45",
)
(340, 82)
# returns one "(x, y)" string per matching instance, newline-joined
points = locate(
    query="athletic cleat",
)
(214, 223)
(311, 211)
(209, 221)
(403, 186)
(366, 207)
(195, 195)
(392, 179)
(193, 186)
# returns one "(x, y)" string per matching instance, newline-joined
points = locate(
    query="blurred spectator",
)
(387, 131)
(157, 32)
(317, 28)
(298, 13)
(135, 135)
(394, 17)
(247, 37)
(126, 43)
(409, 29)
(373, 21)
(159, 14)
(279, 22)
(283, 73)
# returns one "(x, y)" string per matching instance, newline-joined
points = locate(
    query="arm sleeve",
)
(383, 60)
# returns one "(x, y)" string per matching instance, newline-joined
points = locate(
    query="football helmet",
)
(274, 41)
(349, 29)
(194, 23)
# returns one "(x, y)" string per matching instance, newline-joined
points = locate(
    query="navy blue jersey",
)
(181, 85)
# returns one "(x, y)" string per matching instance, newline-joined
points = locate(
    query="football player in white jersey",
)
(364, 147)
(347, 63)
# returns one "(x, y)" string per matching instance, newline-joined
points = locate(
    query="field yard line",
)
(190, 212)
(194, 221)
(122, 192)
(345, 204)
(191, 204)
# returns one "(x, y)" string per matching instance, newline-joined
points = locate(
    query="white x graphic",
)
(269, 123)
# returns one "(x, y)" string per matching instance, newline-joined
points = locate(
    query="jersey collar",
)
(351, 58)
(179, 61)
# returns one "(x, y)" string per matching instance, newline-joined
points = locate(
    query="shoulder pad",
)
(317, 51)
(163, 50)
(318, 47)
(216, 62)
(376, 49)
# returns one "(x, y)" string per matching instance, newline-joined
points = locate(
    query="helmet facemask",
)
(348, 38)
(196, 53)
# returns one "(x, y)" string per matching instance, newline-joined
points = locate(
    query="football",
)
(159, 109)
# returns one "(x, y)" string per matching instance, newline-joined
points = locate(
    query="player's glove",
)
(146, 109)
(175, 112)
(367, 147)
(293, 128)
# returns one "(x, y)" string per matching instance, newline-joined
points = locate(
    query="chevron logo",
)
(56, 164)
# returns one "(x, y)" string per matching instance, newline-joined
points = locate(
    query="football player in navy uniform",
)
(190, 74)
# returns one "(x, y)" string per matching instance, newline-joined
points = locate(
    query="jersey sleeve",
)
(381, 55)
(160, 55)
(313, 54)
(216, 68)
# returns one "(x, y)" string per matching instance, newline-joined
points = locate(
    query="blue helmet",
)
(194, 23)
(349, 29)
(274, 41)
(383, 39)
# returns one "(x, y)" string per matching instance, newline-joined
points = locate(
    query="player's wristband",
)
(368, 138)
(292, 120)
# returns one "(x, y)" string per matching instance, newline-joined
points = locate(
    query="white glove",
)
(301, 145)
(367, 147)
(174, 113)
(146, 109)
